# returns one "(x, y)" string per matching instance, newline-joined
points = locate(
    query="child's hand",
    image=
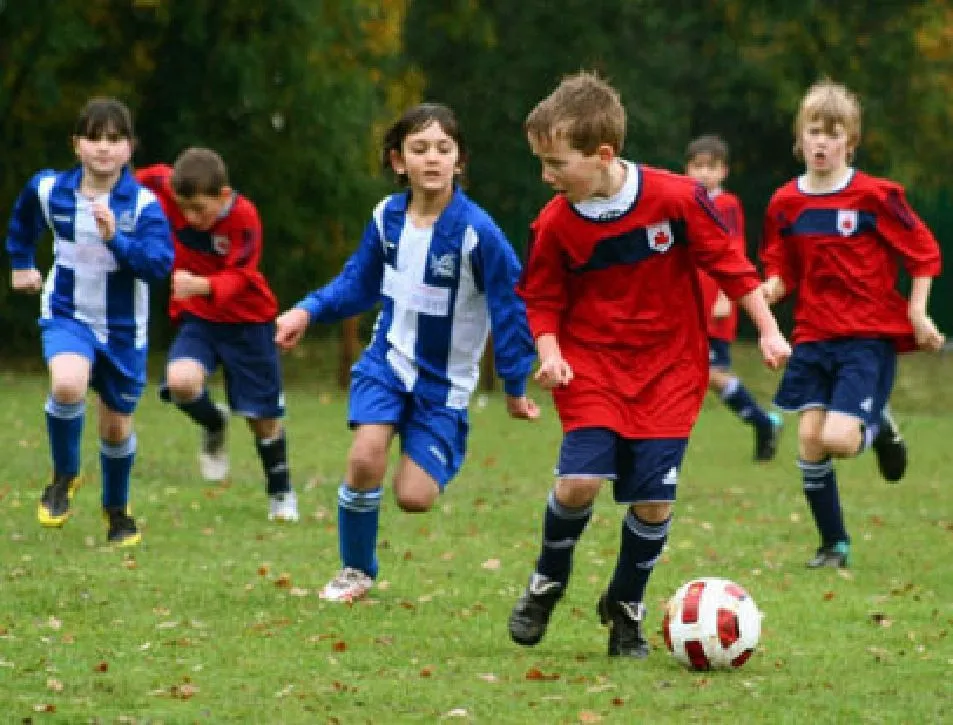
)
(290, 327)
(26, 280)
(185, 285)
(775, 350)
(522, 408)
(722, 307)
(772, 289)
(105, 221)
(553, 372)
(925, 330)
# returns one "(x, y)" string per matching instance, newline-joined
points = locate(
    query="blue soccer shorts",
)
(719, 354)
(249, 359)
(432, 435)
(643, 470)
(118, 372)
(853, 376)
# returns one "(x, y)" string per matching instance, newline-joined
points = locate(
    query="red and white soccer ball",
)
(711, 624)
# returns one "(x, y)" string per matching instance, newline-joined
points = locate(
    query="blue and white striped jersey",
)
(442, 290)
(103, 285)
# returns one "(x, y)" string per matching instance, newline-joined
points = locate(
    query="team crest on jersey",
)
(126, 222)
(220, 243)
(660, 236)
(846, 222)
(443, 266)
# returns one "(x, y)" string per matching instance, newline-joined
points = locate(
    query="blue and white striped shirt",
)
(104, 285)
(442, 289)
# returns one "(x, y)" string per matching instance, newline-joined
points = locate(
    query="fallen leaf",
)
(426, 671)
(489, 677)
(283, 581)
(457, 712)
(339, 646)
(828, 596)
(102, 666)
(535, 673)
(44, 707)
(882, 619)
(54, 685)
(491, 564)
(589, 716)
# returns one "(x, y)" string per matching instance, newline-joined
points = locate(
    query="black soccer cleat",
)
(835, 555)
(54, 507)
(122, 529)
(767, 437)
(890, 448)
(624, 620)
(530, 615)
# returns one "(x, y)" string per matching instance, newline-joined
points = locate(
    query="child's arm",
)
(148, 250)
(779, 274)
(26, 225)
(926, 332)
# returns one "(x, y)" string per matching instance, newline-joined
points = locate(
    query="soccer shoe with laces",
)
(624, 620)
(54, 507)
(530, 615)
(283, 507)
(834, 555)
(122, 529)
(766, 438)
(347, 586)
(890, 448)
(213, 456)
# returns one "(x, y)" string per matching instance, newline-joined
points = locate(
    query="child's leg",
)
(736, 396)
(65, 411)
(819, 478)
(185, 384)
(117, 452)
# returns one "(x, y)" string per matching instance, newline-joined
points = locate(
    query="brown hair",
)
(102, 113)
(416, 119)
(831, 103)
(199, 171)
(710, 144)
(584, 108)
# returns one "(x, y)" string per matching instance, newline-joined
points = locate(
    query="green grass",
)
(215, 618)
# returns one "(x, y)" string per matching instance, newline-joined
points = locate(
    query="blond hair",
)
(584, 108)
(830, 103)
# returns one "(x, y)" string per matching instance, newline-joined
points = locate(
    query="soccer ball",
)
(711, 624)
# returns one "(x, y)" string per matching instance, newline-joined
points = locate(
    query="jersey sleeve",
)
(157, 178)
(497, 271)
(356, 289)
(27, 223)
(904, 232)
(776, 257)
(243, 257)
(148, 251)
(543, 283)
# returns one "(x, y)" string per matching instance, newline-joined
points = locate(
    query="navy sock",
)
(736, 396)
(358, 517)
(641, 547)
(274, 459)
(116, 460)
(64, 425)
(820, 489)
(562, 527)
(204, 412)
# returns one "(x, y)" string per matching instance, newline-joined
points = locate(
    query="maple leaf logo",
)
(660, 238)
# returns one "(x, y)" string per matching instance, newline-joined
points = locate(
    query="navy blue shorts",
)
(117, 374)
(249, 359)
(719, 354)
(642, 470)
(853, 376)
(432, 435)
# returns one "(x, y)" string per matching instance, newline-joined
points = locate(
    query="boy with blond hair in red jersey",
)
(706, 161)
(613, 303)
(834, 236)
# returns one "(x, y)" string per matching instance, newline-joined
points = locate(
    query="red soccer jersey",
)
(621, 295)
(227, 255)
(732, 214)
(839, 253)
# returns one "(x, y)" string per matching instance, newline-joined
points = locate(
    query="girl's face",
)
(824, 147)
(429, 157)
(104, 155)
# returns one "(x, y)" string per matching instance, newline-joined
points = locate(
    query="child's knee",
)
(366, 464)
(416, 501)
(841, 442)
(184, 381)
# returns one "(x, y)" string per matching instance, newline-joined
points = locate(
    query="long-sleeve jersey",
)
(616, 282)
(731, 212)
(227, 255)
(839, 252)
(442, 290)
(104, 285)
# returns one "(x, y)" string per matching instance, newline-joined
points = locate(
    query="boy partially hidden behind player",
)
(706, 161)
(834, 237)
(613, 305)
(225, 311)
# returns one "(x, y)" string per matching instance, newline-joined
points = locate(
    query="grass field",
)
(215, 618)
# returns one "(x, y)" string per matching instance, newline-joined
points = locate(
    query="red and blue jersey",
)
(839, 253)
(732, 214)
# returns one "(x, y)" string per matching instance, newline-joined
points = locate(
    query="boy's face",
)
(429, 157)
(104, 155)
(203, 210)
(707, 170)
(575, 175)
(824, 146)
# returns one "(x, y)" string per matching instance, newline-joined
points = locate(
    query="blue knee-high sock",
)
(358, 516)
(736, 396)
(562, 527)
(273, 453)
(64, 425)
(641, 547)
(203, 411)
(820, 489)
(116, 460)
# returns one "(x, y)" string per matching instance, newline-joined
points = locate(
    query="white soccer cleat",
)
(283, 507)
(347, 586)
(213, 455)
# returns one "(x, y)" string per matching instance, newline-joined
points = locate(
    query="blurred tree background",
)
(296, 93)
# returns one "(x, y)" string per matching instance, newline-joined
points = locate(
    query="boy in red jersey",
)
(614, 306)
(706, 161)
(225, 311)
(834, 236)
